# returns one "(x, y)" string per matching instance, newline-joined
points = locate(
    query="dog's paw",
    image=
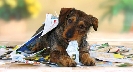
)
(66, 61)
(87, 60)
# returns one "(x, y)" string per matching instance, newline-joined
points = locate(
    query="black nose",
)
(70, 33)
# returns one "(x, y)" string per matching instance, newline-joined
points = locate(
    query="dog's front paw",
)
(87, 60)
(66, 61)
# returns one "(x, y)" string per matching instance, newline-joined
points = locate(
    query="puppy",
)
(73, 25)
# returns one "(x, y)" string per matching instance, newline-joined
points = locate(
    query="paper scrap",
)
(118, 56)
(125, 65)
(72, 50)
(16, 47)
(50, 23)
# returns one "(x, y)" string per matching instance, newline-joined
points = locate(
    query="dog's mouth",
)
(68, 40)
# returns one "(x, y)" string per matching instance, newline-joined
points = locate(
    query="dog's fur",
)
(73, 25)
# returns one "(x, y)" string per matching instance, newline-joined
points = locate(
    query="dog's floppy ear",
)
(94, 22)
(63, 14)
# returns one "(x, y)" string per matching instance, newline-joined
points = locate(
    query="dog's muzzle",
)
(70, 33)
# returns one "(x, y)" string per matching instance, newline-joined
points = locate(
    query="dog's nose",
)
(70, 33)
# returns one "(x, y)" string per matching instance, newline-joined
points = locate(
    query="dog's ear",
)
(63, 14)
(94, 22)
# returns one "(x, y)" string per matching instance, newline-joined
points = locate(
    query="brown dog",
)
(73, 25)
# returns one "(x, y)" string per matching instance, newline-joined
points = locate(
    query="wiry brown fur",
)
(73, 25)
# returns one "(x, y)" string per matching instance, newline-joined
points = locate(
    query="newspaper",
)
(110, 57)
(51, 22)
(72, 50)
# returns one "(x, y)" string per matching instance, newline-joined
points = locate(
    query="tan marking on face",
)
(81, 23)
(74, 19)
(66, 30)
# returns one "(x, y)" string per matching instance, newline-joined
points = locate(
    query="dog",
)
(73, 25)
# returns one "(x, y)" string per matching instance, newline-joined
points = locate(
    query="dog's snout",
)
(70, 33)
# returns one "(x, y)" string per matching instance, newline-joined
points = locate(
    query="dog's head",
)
(76, 23)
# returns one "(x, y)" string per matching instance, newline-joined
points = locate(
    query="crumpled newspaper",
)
(105, 52)
(72, 50)
(51, 22)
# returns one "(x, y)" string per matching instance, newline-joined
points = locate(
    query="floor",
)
(27, 68)
(97, 38)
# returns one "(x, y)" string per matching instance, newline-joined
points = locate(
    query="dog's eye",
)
(81, 26)
(69, 21)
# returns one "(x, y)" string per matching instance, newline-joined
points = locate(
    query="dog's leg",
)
(61, 57)
(86, 59)
(84, 55)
